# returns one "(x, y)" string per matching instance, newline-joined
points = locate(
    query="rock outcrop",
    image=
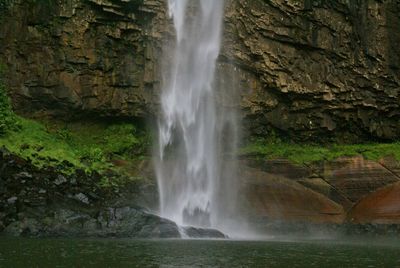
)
(346, 190)
(277, 198)
(380, 207)
(320, 70)
(317, 69)
(82, 57)
(46, 203)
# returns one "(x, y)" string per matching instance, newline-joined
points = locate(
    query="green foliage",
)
(86, 146)
(308, 153)
(8, 120)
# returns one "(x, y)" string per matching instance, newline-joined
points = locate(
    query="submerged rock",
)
(123, 222)
(193, 232)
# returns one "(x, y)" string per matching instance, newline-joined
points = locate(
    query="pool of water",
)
(197, 253)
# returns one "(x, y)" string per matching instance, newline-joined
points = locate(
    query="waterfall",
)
(188, 163)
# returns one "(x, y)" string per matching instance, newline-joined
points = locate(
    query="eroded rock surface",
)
(279, 199)
(380, 207)
(362, 191)
(82, 57)
(356, 177)
(315, 70)
(46, 203)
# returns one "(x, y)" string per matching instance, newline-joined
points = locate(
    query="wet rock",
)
(12, 200)
(23, 175)
(73, 181)
(194, 232)
(24, 227)
(42, 191)
(356, 177)
(317, 184)
(60, 180)
(391, 163)
(279, 167)
(279, 199)
(131, 222)
(379, 207)
(82, 198)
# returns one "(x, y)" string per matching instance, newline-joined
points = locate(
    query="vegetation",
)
(8, 120)
(89, 147)
(68, 147)
(308, 153)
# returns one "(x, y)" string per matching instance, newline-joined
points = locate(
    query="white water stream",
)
(188, 165)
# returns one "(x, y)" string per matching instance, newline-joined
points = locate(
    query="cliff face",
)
(79, 57)
(318, 68)
(309, 69)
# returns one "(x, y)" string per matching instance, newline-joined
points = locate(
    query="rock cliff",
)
(82, 57)
(327, 70)
(318, 69)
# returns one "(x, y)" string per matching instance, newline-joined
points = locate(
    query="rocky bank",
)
(44, 202)
(348, 194)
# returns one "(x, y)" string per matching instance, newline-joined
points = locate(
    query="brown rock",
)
(280, 167)
(327, 67)
(91, 57)
(392, 164)
(313, 70)
(380, 207)
(280, 199)
(356, 177)
(317, 184)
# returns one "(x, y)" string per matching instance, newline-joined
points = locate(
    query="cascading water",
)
(188, 164)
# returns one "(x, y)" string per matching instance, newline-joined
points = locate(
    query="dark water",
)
(196, 253)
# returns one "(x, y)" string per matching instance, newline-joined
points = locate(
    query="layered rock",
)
(276, 198)
(82, 57)
(317, 69)
(380, 207)
(356, 177)
(309, 69)
(363, 191)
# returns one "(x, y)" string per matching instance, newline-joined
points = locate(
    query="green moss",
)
(89, 146)
(308, 153)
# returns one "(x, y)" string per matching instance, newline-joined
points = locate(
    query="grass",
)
(90, 146)
(308, 153)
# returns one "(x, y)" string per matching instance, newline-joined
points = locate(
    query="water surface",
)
(196, 253)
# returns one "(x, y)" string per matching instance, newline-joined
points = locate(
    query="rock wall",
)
(317, 70)
(82, 57)
(349, 190)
